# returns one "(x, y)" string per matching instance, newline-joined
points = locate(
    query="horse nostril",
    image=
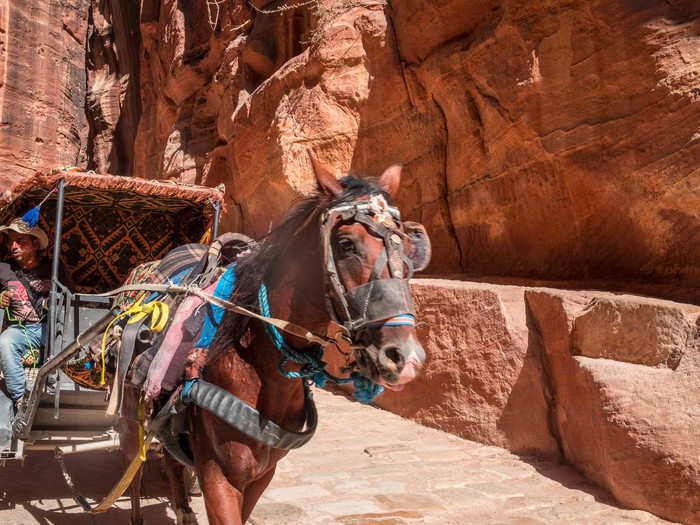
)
(392, 353)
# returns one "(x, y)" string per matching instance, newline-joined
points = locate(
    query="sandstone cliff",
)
(42, 86)
(543, 140)
(549, 140)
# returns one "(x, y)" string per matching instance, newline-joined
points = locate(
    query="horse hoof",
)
(186, 518)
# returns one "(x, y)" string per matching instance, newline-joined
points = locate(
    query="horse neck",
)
(297, 290)
(295, 293)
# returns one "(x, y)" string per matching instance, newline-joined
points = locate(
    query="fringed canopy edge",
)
(94, 181)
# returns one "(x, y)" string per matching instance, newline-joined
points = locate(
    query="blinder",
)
(379, 299)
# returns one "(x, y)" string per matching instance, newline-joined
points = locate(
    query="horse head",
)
(369, 255)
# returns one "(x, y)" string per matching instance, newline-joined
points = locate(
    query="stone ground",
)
(364, 467)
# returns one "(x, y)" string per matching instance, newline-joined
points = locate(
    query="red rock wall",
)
(113, 104)
(548, 140)
(42, 86)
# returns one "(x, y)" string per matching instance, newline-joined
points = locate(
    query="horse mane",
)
(257, 267)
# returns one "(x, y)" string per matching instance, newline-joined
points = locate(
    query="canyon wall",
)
(42, 86)
(544, 140)
(541, 140)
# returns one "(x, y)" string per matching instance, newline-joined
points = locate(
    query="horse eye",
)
(346, 245)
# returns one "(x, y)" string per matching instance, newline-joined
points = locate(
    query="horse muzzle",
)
(392, 365)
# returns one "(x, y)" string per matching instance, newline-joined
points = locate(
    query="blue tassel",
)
(320, 379)
(31, 217)
(365, 390)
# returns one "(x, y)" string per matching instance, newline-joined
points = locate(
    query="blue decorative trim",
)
(223, 290)
(186, 389)
(399, 320)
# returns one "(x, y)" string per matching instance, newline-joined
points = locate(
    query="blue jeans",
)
(13, 345)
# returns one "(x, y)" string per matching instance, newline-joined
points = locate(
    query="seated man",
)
(25, 284)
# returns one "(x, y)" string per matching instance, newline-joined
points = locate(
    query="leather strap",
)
(247, 419)
(126, 353)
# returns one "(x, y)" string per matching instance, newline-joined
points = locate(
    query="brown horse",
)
(343, 256)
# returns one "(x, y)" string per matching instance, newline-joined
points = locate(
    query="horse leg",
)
(222, 501)
(254, 490)
(135, 493)
(178, 492)
(130, 446)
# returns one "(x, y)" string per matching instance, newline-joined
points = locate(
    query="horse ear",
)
(420, 249)
(329, 184)
(390, 179)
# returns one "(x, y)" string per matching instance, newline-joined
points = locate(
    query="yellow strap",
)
(206, 238)
(125, 481)
(159, 310)
(142, 442)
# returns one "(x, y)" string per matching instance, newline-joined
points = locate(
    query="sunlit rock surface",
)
(609, 383)
(42, 86)
(548, 140)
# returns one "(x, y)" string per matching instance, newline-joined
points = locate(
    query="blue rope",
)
(313, 366)
(186, 389)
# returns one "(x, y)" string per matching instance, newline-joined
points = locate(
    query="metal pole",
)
(215, 228)
(55, 264)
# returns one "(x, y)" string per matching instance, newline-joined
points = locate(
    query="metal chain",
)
(214, 13)
(281, 9)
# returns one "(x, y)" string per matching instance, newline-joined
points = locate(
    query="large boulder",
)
(625, 373)
(483, 379)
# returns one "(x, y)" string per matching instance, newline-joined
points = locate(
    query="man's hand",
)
(6, 298)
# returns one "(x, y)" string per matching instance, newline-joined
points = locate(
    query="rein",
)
(285, 326)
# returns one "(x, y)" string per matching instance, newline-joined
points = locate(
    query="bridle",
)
(379, 302)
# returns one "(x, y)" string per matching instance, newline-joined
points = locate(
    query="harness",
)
(379, 302)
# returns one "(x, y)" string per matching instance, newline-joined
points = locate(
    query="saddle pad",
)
(175, 343)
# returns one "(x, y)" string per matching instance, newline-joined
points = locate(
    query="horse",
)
(340, 258)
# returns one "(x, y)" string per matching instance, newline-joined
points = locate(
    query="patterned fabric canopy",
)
(112, 224)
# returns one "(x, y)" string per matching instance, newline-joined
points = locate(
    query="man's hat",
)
(19, 225)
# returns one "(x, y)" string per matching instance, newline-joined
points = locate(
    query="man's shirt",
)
(23, 302)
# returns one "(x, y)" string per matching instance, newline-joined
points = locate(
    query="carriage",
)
(101, 227)
(340, 262)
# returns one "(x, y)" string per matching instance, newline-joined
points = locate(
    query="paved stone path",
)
(364, 467)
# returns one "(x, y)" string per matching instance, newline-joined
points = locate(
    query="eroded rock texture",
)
(550, 140)
(113, 105)
(42, 86)
(608, 383)
(626, 414)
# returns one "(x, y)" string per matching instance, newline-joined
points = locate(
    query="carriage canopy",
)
(111, 223)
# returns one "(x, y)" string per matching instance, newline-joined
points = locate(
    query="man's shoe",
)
(19, 406)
